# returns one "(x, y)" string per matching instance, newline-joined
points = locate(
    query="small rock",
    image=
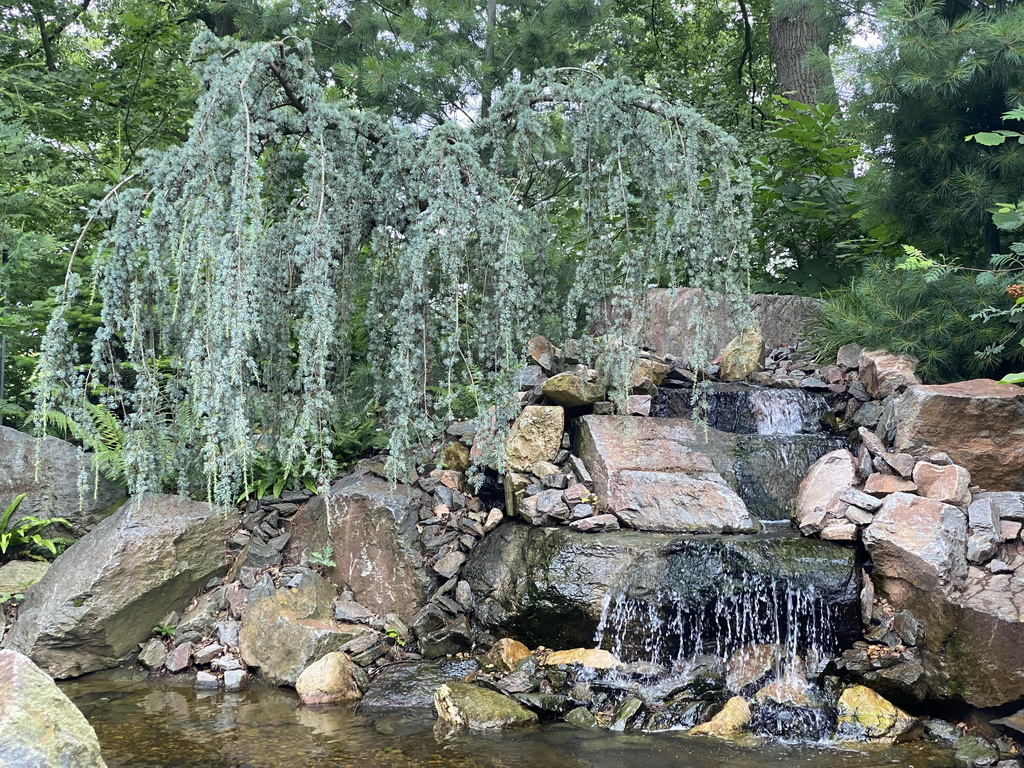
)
(207, 653)
(236, 680)
(464, 595)
(863, 714)
(848, 356)
(628, 714)
(580, 511)
(468, 706)
(506, 654)
(638, 405)
(860, 499)
(450, 564)
(227, 633)
(153, 654)
(946, 483)
(596, 524)
(594, 658)
(883, 485)
(206, 680)
(903, 463)
(332, 678)
(841, 532)
(556, 480)
(352, 612)
(871, 441)
(856, 515)
(179, 659)
(494, 518)
(227, 663)
(981, 547)
(731, 720)
(575, 494)
(582, 718)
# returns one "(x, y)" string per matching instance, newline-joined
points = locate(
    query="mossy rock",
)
(469, 706)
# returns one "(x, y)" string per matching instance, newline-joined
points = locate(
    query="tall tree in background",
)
(946, 70)
(801, 36)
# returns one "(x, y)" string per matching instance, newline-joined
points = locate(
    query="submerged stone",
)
(469, 706)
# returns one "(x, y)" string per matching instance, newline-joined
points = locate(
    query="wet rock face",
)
(979, 424)
(39, 726)
(551, 586)
(52, 491)
(412, 685)
(653, 476)
(104, 595)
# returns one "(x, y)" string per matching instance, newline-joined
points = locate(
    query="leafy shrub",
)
(932, 316)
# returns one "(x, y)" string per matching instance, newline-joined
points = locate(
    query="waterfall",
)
(669, 630)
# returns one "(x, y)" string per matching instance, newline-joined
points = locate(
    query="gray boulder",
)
(671, 315)
(53, 491)
(104, 595)
(39, 726)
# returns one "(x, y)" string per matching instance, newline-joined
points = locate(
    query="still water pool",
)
(143, 723)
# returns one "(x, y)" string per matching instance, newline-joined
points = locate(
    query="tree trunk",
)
(795, 35)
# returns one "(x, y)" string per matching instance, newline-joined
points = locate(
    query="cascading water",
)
(778, 433)
(672, 629)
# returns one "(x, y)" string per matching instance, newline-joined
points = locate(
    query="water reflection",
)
(142, 724)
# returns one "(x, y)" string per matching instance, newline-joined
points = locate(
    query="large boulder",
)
(673, 331)
(39, 726)
(47, 472)
(965, 622)
(286, 631)
(376, 550)
(551, 586)
(653, 476)
(330, 679)
(978, 423)
(104, 595)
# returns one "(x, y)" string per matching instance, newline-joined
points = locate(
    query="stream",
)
(142, 723)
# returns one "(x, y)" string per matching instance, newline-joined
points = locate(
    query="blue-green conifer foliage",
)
(232, 263)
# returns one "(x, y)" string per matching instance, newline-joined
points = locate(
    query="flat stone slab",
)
(652, 475)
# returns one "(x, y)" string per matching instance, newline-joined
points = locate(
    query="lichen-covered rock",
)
(330, 679)
(18, 575)
(743, 355)
(104, 595)
(39, 726)
(286, 631)
(49, 480)
(978, 423)
(652, 476)
(865, 716)
(463, 705)
(730, 721)
(572, 391)
(535, 436)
